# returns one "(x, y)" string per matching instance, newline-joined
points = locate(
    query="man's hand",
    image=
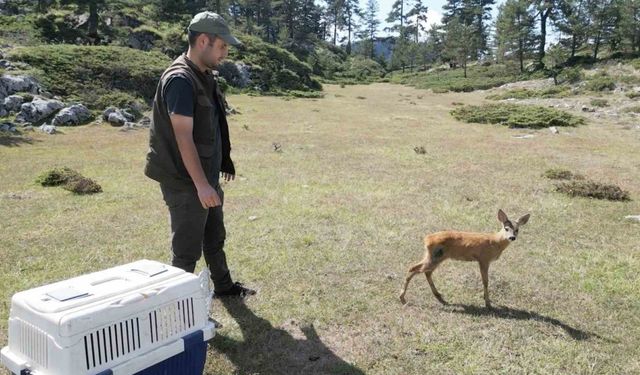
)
(228, 176)
(208, 196)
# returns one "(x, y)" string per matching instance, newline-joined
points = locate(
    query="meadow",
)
(327, 212)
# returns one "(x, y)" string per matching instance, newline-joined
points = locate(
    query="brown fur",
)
(483, 248)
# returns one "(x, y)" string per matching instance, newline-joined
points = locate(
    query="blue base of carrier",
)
(190, 362)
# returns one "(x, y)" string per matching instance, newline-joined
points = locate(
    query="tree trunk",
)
(335, 25)
(543, 35)
(573, 45)
(521, 55)
(349, 36)
(218, 6)
(93, 23)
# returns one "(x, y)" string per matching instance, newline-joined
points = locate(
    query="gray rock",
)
(117, 117)
(11, 84)
(76, 114)
(5, 64)
(49, 129)
(12, 103)
(38, 110)
(28, 128)
(5, 127)
(633, 217)
(236, 74)
(553, 130)
(144, 122)
(3, 112)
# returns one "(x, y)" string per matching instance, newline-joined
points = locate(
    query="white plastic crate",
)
(120, 320)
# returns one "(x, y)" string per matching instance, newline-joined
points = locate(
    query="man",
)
(189, 149)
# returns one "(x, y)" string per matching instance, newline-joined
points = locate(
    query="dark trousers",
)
(194, 231)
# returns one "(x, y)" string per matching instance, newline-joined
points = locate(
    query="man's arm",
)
(183, 130)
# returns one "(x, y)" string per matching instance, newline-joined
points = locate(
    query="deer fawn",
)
(483, 248)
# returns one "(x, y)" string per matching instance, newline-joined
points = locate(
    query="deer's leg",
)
(415, 269)
(433, 287)
(484, 271)
(410, 276)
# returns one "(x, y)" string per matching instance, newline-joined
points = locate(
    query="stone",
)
(11, 84)
(554, 130)
(38, 110)
(12, 103)
(76, 114)
(49, 129)
(633, 217)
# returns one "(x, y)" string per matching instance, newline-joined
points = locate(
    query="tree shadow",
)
(270, 350)
(506, 312)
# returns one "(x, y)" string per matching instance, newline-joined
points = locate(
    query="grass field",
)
(341, 210)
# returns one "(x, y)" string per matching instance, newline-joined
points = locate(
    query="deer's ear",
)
(502, 216)
(523, 220)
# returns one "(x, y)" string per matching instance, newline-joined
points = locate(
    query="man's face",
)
(215, 50)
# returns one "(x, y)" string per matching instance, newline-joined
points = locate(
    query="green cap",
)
(213, 23)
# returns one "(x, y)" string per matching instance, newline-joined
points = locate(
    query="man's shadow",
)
(270, 350)
(505, 312)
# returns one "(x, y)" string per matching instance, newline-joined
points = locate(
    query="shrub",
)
(633, 95)
(599, 102)
(551, 92)
(560, 174)
(571, 75)
(516, 116)
(633, 109)
(82, 186)
(592, 189)
(600, 82)
(88, 73)
(57, 176)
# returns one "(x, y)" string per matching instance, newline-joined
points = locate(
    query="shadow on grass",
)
(505, 312)
(270, 350)
(14, 140)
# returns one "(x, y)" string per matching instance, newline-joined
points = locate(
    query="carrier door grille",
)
(104, 345)
(171, 320)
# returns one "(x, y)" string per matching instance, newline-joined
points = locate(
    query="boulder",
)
(49, 129)
(12, 84)
(38, 110)
(117, 117)
(12, 103)
(76, 114)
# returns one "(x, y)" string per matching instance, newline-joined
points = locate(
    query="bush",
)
(82, 186)
(551, 92)
(69, 180)
(478, 78)
(560, 174)
(633, 95)
(599, 102)
(288, 80)
(592, 189)
(267, 61)
(56, 177)
(633, 109)
(571, 75)
(600, 82)
(516, 116)
(88, 73)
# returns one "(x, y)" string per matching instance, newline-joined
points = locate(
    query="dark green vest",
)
(164, 162)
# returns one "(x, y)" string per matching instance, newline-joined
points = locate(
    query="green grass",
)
(95, 75)
(516, 116)
(523, 93)
(341, 213)
(478, 78)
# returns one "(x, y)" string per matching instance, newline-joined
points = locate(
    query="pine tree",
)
(419, 11)
(515, 30)
(371, 24)
(460, 41)
(571, 19)
(352, 13)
